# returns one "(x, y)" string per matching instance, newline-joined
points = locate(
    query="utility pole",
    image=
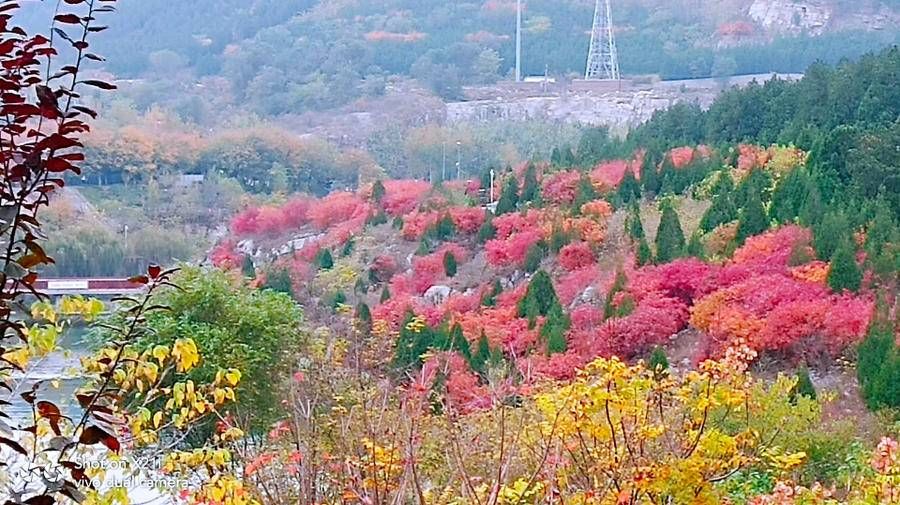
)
(458, 158)
(492, 185)
(518, 40)
(603, 58)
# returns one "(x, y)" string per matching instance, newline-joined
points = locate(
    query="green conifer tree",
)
(844, 273)
(487, 231)
(629, 190)
(754, 219)
(531, 189)
(539, 297)
(324, 259)
(482, 354)
(385, 295)
(721, 211)
(509, 197)
(669, 237)
(459, 343)
(449, 264)
(695, 246)
(247, 268)
(832, 230)
(633, 222)
(804, 386)
(658, 361)
(553, 333)
(585, 192)
(533, 258)
(378, 191)
(644, 254)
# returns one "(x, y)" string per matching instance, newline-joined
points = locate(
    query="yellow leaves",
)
(416, 324)
(520, 492)
(18, 357)
(160, 353)
(43, 311)
(784, 462)
(233, 376)
(157, 420)
(89, 309)
(186, 354)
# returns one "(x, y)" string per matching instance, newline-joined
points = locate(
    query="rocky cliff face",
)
(815, 17)
(787, 16)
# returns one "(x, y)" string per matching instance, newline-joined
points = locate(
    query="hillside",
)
(275, 56)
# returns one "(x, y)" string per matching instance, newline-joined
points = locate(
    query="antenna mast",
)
(603, 59)
(518, 40)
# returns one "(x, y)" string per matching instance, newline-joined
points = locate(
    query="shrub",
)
(279, 280)
(487, 231)
(385, 295)
(530, 188)
(576, 256)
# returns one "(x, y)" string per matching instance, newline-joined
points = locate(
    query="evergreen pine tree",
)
(338, 299)
(531, 189)
(553, 333)
(482, 354)
(754, 219)
(644, 254)
(609, 310)
(629, 190)
(789, 196)
(695, 246)
(844, 273)
(556, 157)
(385, 295)
(279, 280)
(364, 317)
(567, 157)
(459, 343)
(487, 231)
(247, 268)
(724, 184)
(721, 211)
(324, 259)
(539, 297)
(378, 191)
(585, 192)
(633, 222)
(449, 264)
(424, 248)
(804, 386)
(558, 238)
(669, 237)
(347, 249)
(509, 197)
(812, 209)
(658, 361)
(533, 258)
(490, 299)
(829, 233)
(650, 180)
(878, 366)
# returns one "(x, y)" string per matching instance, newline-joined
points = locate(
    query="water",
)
(57, 368)
(61, 368)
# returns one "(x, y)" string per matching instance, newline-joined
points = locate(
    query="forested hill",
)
(308, 54)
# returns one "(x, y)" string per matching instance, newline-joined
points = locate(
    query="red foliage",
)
(681, 156)
(416, 223)
(225, 256)
(600, 209)
(467, 219)
(576, 255)
(511, 251)
(403, 196)
(507, 224)
(609, 175)
(561, 187)
(338, 208)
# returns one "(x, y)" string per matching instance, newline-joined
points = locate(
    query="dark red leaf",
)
(93, 435)
(99, 84)
(70, 19)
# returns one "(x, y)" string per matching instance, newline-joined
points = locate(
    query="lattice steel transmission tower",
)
(603, 59)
